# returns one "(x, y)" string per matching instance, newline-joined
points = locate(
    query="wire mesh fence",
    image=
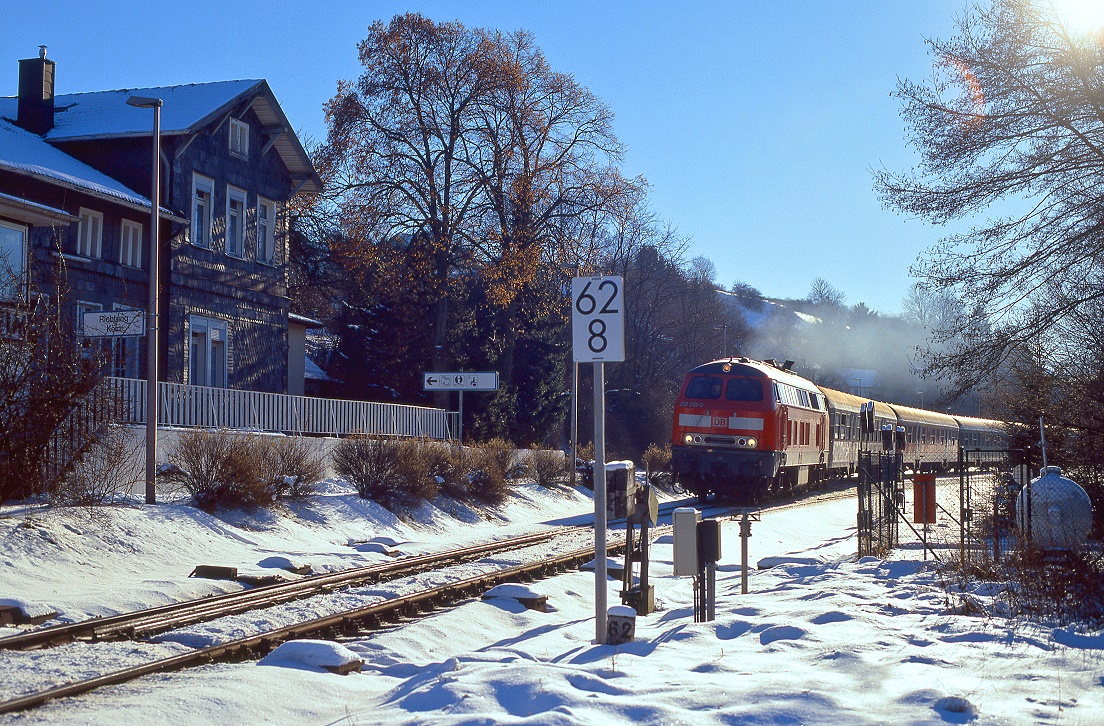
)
(967, 514)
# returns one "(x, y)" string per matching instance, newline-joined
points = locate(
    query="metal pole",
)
(152, 323)
(574, 418)
(1042, 443)
(600, 502)
(745, 532)
(460, 426)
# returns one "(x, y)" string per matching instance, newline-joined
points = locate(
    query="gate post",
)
(963, 464)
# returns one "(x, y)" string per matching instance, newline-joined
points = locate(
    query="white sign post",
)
(114, 324)
(460, 381)
(598, 337)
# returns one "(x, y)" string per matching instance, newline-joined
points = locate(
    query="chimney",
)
(36, 93)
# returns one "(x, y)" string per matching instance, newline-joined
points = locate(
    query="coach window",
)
(704, 387)
(744, 389)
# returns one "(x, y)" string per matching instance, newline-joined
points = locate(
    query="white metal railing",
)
(206, 407)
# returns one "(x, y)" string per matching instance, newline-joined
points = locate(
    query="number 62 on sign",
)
(598, 319)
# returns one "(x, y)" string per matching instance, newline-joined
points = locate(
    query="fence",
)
(206, 407)
(879, 502)
(972, 518)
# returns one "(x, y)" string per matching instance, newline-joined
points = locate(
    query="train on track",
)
(744, 429)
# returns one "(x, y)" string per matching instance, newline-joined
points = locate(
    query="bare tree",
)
(824, 294)
(1013, 114)
(544, 152)
(394, 152)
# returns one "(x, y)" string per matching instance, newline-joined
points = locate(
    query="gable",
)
(186, 110)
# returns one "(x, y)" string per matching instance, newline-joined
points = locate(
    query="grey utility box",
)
(686, 540)
(620, 489)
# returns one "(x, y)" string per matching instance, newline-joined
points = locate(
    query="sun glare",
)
(1081, 15)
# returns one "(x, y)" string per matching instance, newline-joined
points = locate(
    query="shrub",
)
(110, 468)
(444, 464)
(371, 465)
(547, 467)
(488, 466)
(219, 469)
(417, 480)
(290, 466)
(657, 461)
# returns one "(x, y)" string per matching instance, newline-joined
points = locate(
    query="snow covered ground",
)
(821, 638)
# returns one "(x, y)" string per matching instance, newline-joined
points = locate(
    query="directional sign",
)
(115, 324)
(598, 319)
(484, 381)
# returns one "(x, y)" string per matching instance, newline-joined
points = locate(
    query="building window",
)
(239, 137)
(235, 221)
(203, 191)
(90, 236)
(124, 353)
(130, 249)
(207, 352)
(13, 242)
(266, 236)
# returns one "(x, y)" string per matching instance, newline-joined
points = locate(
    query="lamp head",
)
(144, 102)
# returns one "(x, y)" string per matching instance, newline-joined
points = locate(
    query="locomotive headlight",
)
(752, 442)
(688, 438)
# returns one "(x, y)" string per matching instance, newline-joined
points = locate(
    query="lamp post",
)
(154, 284)
(921, 398)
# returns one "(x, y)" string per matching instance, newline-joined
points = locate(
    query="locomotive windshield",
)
(704, 387)
(744, 389)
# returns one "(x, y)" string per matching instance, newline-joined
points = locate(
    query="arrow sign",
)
(460, 381)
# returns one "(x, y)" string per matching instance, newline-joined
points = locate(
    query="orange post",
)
(923, 498)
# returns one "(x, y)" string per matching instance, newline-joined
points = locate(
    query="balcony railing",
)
(206, 407)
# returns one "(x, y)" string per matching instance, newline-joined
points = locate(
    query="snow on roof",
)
(304, 320)
(106, 113)
(311, 371)
(25, 153)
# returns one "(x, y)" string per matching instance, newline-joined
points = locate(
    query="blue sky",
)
(757, 123)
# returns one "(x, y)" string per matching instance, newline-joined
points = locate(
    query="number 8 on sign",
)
(598, 319)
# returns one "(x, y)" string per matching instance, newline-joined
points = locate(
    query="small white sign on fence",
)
(115, 324)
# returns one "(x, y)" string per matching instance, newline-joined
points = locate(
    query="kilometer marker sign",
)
(598, 319)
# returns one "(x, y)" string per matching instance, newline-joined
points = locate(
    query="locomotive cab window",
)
(704, 387)
(743, 389)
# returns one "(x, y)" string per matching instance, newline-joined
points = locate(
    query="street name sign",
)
(115, 324)
(598, 319)
(460, 381)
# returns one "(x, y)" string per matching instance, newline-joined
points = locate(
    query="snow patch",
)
(313, 655)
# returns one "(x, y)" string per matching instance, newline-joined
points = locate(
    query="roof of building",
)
(186, 109)
(25, 153)
(305, 321)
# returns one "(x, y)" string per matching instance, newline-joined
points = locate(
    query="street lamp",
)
(154, 284)
(921, 393)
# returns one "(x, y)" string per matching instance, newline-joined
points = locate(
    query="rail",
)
(208, 407)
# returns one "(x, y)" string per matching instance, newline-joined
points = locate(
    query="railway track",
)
(346, 623)
(151, 621)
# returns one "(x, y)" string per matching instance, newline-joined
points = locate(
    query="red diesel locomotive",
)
(743, 428)
(746, 427)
